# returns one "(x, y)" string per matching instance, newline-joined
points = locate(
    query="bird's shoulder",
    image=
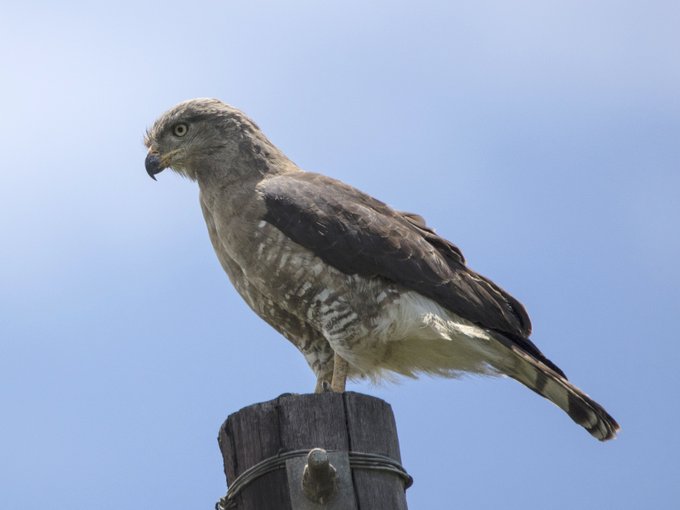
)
(334, 207)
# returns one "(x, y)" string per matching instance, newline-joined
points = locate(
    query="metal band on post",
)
(357, 460)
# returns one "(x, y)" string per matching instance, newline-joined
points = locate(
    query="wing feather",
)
(358, 234)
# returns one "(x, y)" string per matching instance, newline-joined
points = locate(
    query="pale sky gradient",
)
(541, 137)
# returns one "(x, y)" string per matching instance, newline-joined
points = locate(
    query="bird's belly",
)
(411, 334)
(376, 325)
(337, 305)
(262, 300)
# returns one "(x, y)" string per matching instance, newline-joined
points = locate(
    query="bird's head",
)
(200, 135)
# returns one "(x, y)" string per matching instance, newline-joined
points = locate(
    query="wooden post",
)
(347, 422)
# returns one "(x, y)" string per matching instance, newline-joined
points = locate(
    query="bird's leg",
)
(340, 369)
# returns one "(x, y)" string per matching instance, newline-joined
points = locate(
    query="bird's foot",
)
(323, 385)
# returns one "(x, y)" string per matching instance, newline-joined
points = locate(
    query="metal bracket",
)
(319, 477)
(321, 480)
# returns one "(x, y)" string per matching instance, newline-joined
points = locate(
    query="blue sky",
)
(541, 137)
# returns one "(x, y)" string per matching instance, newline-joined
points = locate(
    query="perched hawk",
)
(360, 289)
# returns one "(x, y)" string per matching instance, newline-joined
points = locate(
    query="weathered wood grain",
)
(371, 428)
(333, 421)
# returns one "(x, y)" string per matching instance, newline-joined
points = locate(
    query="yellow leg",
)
(340, 369)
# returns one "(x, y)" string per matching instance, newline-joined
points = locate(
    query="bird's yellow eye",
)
(180, 129)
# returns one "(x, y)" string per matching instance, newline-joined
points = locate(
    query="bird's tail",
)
(548, 383)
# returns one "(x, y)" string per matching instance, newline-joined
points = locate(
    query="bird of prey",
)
(361, 289)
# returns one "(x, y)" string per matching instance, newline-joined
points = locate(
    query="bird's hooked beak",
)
(153, 164)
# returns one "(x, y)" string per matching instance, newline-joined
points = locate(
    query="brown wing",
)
(358, 234)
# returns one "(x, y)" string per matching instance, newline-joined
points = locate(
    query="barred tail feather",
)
(545, 381)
